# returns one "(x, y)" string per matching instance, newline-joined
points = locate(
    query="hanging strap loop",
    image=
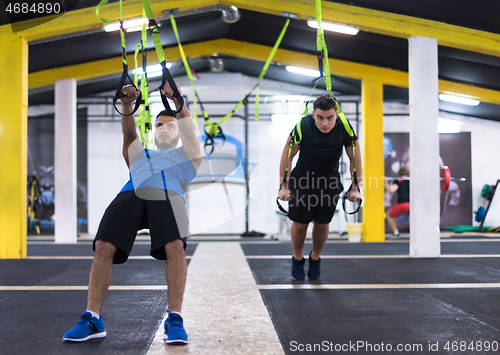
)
(119, 94)
(166, 76)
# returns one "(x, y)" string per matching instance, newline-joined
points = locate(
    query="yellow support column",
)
(13, 146)
(373, 160)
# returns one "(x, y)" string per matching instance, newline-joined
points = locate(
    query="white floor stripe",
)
(470, 255)
(375, 286)
(470, 240)
(223, 310)
(376, 256)
(286, 257)
(79, 243)
(134, 257)
(205, 307)
(83, 288)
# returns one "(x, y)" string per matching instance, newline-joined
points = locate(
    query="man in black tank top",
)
(402, 207)
(314, 186)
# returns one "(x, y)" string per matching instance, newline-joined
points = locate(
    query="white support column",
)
(424, 148)
(65, 162)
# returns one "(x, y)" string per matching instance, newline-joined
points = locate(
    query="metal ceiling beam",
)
(381, 22)
(367, 19)
(259, 53)
(86, 19)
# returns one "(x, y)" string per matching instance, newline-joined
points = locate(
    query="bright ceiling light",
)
(303, 71)
(153, 70)
(448, 126)
(335, 27)
(128, 25)
(459, 99)
(134, 29)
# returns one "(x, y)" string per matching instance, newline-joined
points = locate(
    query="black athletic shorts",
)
(166, 219)
(313, 201)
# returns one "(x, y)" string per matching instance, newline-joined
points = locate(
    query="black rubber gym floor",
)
(33, 322)
(401, 306)
(372, 320)
(401, 247)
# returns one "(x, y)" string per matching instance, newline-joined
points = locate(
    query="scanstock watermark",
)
(364, 347)
(25, 14)
(355, 346)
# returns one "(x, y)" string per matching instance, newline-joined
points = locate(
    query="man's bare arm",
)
(128, 123)
(355, 159)
(190, 142)
(285, 168)
(285, 162)
(392, 188)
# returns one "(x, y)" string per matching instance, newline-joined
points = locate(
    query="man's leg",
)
(91, 326)
(392, 223)
(100, 275)
(298, 233)
(175, 273)
(319, 236)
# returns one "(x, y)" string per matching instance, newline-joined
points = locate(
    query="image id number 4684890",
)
(471, 346)
(43, 8)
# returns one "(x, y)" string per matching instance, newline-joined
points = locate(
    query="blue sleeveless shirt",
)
(168, 169)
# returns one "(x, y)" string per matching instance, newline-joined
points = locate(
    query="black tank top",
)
(403, 190)
(320, 152)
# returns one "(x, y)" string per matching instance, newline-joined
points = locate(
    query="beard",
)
(167, 143)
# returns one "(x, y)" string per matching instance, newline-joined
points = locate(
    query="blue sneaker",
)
(87, 328)
(313, 272)
(298, 269)
(174, 330)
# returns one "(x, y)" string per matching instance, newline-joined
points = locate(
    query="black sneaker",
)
(313, 272)
(298, 269)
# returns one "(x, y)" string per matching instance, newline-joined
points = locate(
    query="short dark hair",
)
(325, 103)
(165, 113)
(403, 171)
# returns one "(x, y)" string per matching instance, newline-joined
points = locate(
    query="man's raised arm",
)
(190, 142)
(128, 122)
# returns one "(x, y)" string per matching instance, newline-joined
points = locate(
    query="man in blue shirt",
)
(153, 198)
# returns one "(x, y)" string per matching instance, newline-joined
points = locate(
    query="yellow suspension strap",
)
(34, 199)
(119, 94)
(322, 52)
(144, 120)
(355, 178)
(189, 73)
(166, 76)
(213, 130)
(266, 66)
(295, 139)
(209, 125)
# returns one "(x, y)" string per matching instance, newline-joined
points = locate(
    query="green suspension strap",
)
(353, 144)
(166, 76)
(119, 94)
(322, 53)
(266, 66)
(189, 73)
(296, 138)
(144, 120)
(322, 50)
(214, 129)
(209, 125)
